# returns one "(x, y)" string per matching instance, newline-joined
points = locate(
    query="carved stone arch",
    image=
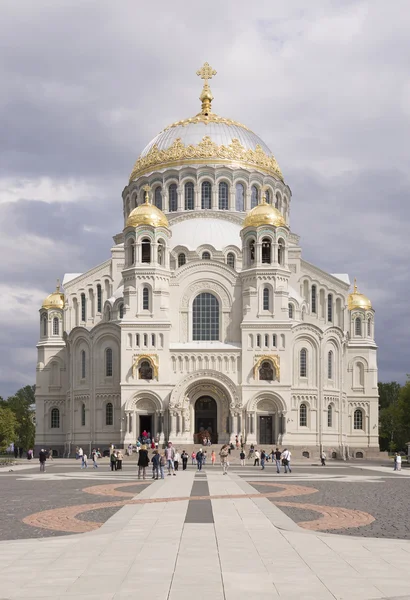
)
(136, 401)
(276, 400)
(211, 377)
(206, 286)
(358, 359)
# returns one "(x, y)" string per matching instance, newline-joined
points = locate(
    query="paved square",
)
(254, 533)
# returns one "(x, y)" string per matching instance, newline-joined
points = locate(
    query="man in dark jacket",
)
(42, 457)
(199, 459)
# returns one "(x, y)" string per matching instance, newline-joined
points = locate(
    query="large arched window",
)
(359, 375)
(45, 325)
(358, 326)
(173, 197)
(205, 318)
(330, 308)
(281, 252)
(181, 259)
(223, 196)
(303, 415)
(266, 372)
(206, 195)
(313, 305)
(83, 311)
(254, 196)
(121, 311)
(358, 419)
(83, 415)
(330, 365)
(158, 197)
(55, 418)
(291, 311)
(83, 364)
(145, 370)
(330, 416)
(146, 250)
(145, 298)
(206, 256)
(266, 250)
(266, 299)
(99, 296)
(239, 197)
(303, 363)
(109, 414)
(189, 196)
(108, 362)
(56, 326)
(230, 260)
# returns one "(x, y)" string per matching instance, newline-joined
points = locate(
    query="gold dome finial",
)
(147, 190)
(56, 299)
(355, 286)
(206, 72)
(358, 300)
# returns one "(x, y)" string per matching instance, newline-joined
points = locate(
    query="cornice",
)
(87, 274)
(307, 269)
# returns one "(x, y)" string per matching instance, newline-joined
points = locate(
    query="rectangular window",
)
(83, 312)
(258, 340)
(108, 362)
(137, 339)
(99, 298)
(330, 308)
(314, 299)
(153, 340)
(274, 340)
(146, 340)
(266, 340)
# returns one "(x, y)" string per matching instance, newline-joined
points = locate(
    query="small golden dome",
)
(54, 300)
(357, 300)
(147, 214)
(264, 214)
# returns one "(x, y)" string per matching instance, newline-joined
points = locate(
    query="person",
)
(236, 441)
(323, 458)
(144, 435)
(176, 460)
(76, 452)
(16, 451)
(50, 454)
(242, 456)
(184, 457)
(84, 464)
(143, 461)
(138, 446)
(224, 458)
(162, 463)
(193, 457)
(21, 450)
(204, 457)
(263, 459)
(42, 457)
(156, 459)
(395, 461)
(251, 451)
(119, 460)
(213, 457)
(152, 444)
(257, 457)
(29, 454)
(170, 454)
(94, 456)
(278, 457)
(129, 449)
(199, 456)
(113, 460)
(398, 461)
(286, 454)
(80, 453)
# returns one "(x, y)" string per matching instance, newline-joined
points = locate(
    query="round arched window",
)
(205, 318)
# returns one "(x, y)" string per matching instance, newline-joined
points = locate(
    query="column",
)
(214, 202)
(247, 200)
(180, 199)
(258, 253)
(232, 198)
(173, 425)
(197, 197)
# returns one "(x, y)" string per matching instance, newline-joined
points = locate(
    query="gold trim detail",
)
(206, 149)
(206, 72)
(206, 119)
(358, 300)
(151, 358)
(274, 359)
(264, 214)
(55, 300)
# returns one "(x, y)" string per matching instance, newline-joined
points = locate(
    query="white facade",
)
(266, 312)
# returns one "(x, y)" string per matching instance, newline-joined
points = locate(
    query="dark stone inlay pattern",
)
(199, 511)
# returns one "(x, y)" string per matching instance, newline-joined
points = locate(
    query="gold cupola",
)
(264, 214)
(55, 300)
(147, 214)
(358, 300)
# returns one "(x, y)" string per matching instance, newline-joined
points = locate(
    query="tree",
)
(389, 415)
(21, 405)
(388, 394)
(8, 426)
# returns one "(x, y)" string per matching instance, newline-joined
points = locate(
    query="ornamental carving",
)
(178, 154)
(274, 359)
(145, 404)
(151, 358)
(206, 119)
(207, 376)
(203, 286)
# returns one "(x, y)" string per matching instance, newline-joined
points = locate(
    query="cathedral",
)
(206, 319)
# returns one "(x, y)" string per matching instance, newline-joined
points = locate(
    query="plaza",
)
(88, 534)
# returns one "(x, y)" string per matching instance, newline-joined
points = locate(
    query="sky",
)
(85, 85)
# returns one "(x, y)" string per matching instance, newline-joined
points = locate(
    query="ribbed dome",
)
(147, 214)
(206, 139)
(264, 214)
(357, 300)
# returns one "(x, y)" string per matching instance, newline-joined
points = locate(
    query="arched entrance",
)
(206, 419)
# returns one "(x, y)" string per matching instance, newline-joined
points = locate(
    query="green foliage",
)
(20, 405)
(8, 427)
(394, 416)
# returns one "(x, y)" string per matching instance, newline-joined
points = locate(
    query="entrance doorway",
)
(206, 413)
(266, 430)
(146, 425)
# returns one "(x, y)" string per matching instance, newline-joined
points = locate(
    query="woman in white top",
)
(177, 458)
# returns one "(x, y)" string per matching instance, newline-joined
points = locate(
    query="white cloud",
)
(45, 189)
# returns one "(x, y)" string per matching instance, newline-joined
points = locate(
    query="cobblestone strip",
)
(334, 517)
(108, 489)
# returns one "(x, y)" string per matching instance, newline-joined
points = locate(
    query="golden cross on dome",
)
(206, 72)
(58, 285)
(147, 190)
